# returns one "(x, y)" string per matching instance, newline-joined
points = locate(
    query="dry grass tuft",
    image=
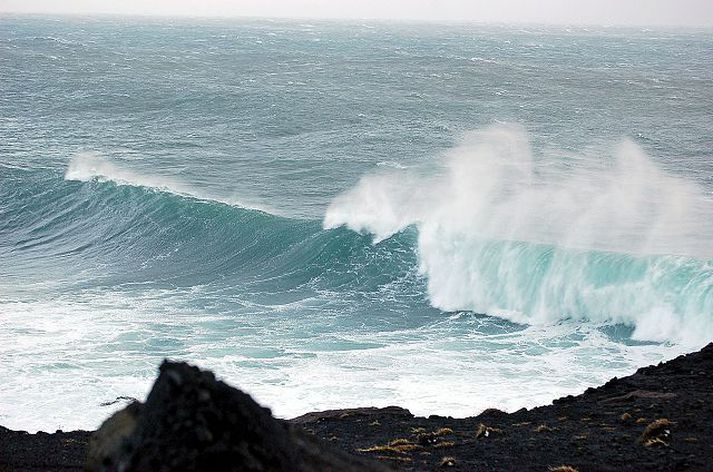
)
(444, 444)
(397, 446)
(562, 468)
(625, 417)
(543, 428)
(656, 433)
(484, 431)
(442, 431)
(654, 442)
(394, 458)
(408, 447)
(400, 442)
(380, 448)
(434, 438)
(404, 445)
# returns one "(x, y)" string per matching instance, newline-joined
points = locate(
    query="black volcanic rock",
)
(659, 419)
(59, 451)
(193, 422)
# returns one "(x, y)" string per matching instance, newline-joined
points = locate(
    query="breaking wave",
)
(540, 239)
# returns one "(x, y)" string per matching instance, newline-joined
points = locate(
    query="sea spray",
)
(538, 240)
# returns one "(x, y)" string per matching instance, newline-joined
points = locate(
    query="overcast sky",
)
(600, 12)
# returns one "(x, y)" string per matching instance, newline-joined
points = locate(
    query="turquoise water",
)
(444, 217)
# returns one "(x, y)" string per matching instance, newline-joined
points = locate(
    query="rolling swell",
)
(125, 229)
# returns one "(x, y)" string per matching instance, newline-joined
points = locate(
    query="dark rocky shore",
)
(660, 418)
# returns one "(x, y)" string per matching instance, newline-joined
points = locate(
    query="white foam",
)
(65, 356)
(476, 205)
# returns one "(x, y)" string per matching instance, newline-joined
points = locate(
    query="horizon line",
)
(432, 21)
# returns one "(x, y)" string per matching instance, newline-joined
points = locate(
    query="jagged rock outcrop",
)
(193, 422)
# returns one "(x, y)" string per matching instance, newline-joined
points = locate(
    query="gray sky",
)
(609, 12)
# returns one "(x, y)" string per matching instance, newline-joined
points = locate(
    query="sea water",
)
(444, 217)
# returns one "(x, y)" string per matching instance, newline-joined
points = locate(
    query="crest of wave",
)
(87, 166)
(539, 239)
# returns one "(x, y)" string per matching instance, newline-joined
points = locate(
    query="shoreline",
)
(656, 419)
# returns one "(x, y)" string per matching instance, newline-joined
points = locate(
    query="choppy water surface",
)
(443, 217)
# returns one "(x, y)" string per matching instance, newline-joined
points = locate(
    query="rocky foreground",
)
(660, 418)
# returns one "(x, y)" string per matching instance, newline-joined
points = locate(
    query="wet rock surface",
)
(657, 419)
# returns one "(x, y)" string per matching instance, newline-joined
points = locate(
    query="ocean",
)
(444, 217)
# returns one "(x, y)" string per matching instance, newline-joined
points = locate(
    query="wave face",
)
(150, 229)
(604, 239)
(212, 191)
